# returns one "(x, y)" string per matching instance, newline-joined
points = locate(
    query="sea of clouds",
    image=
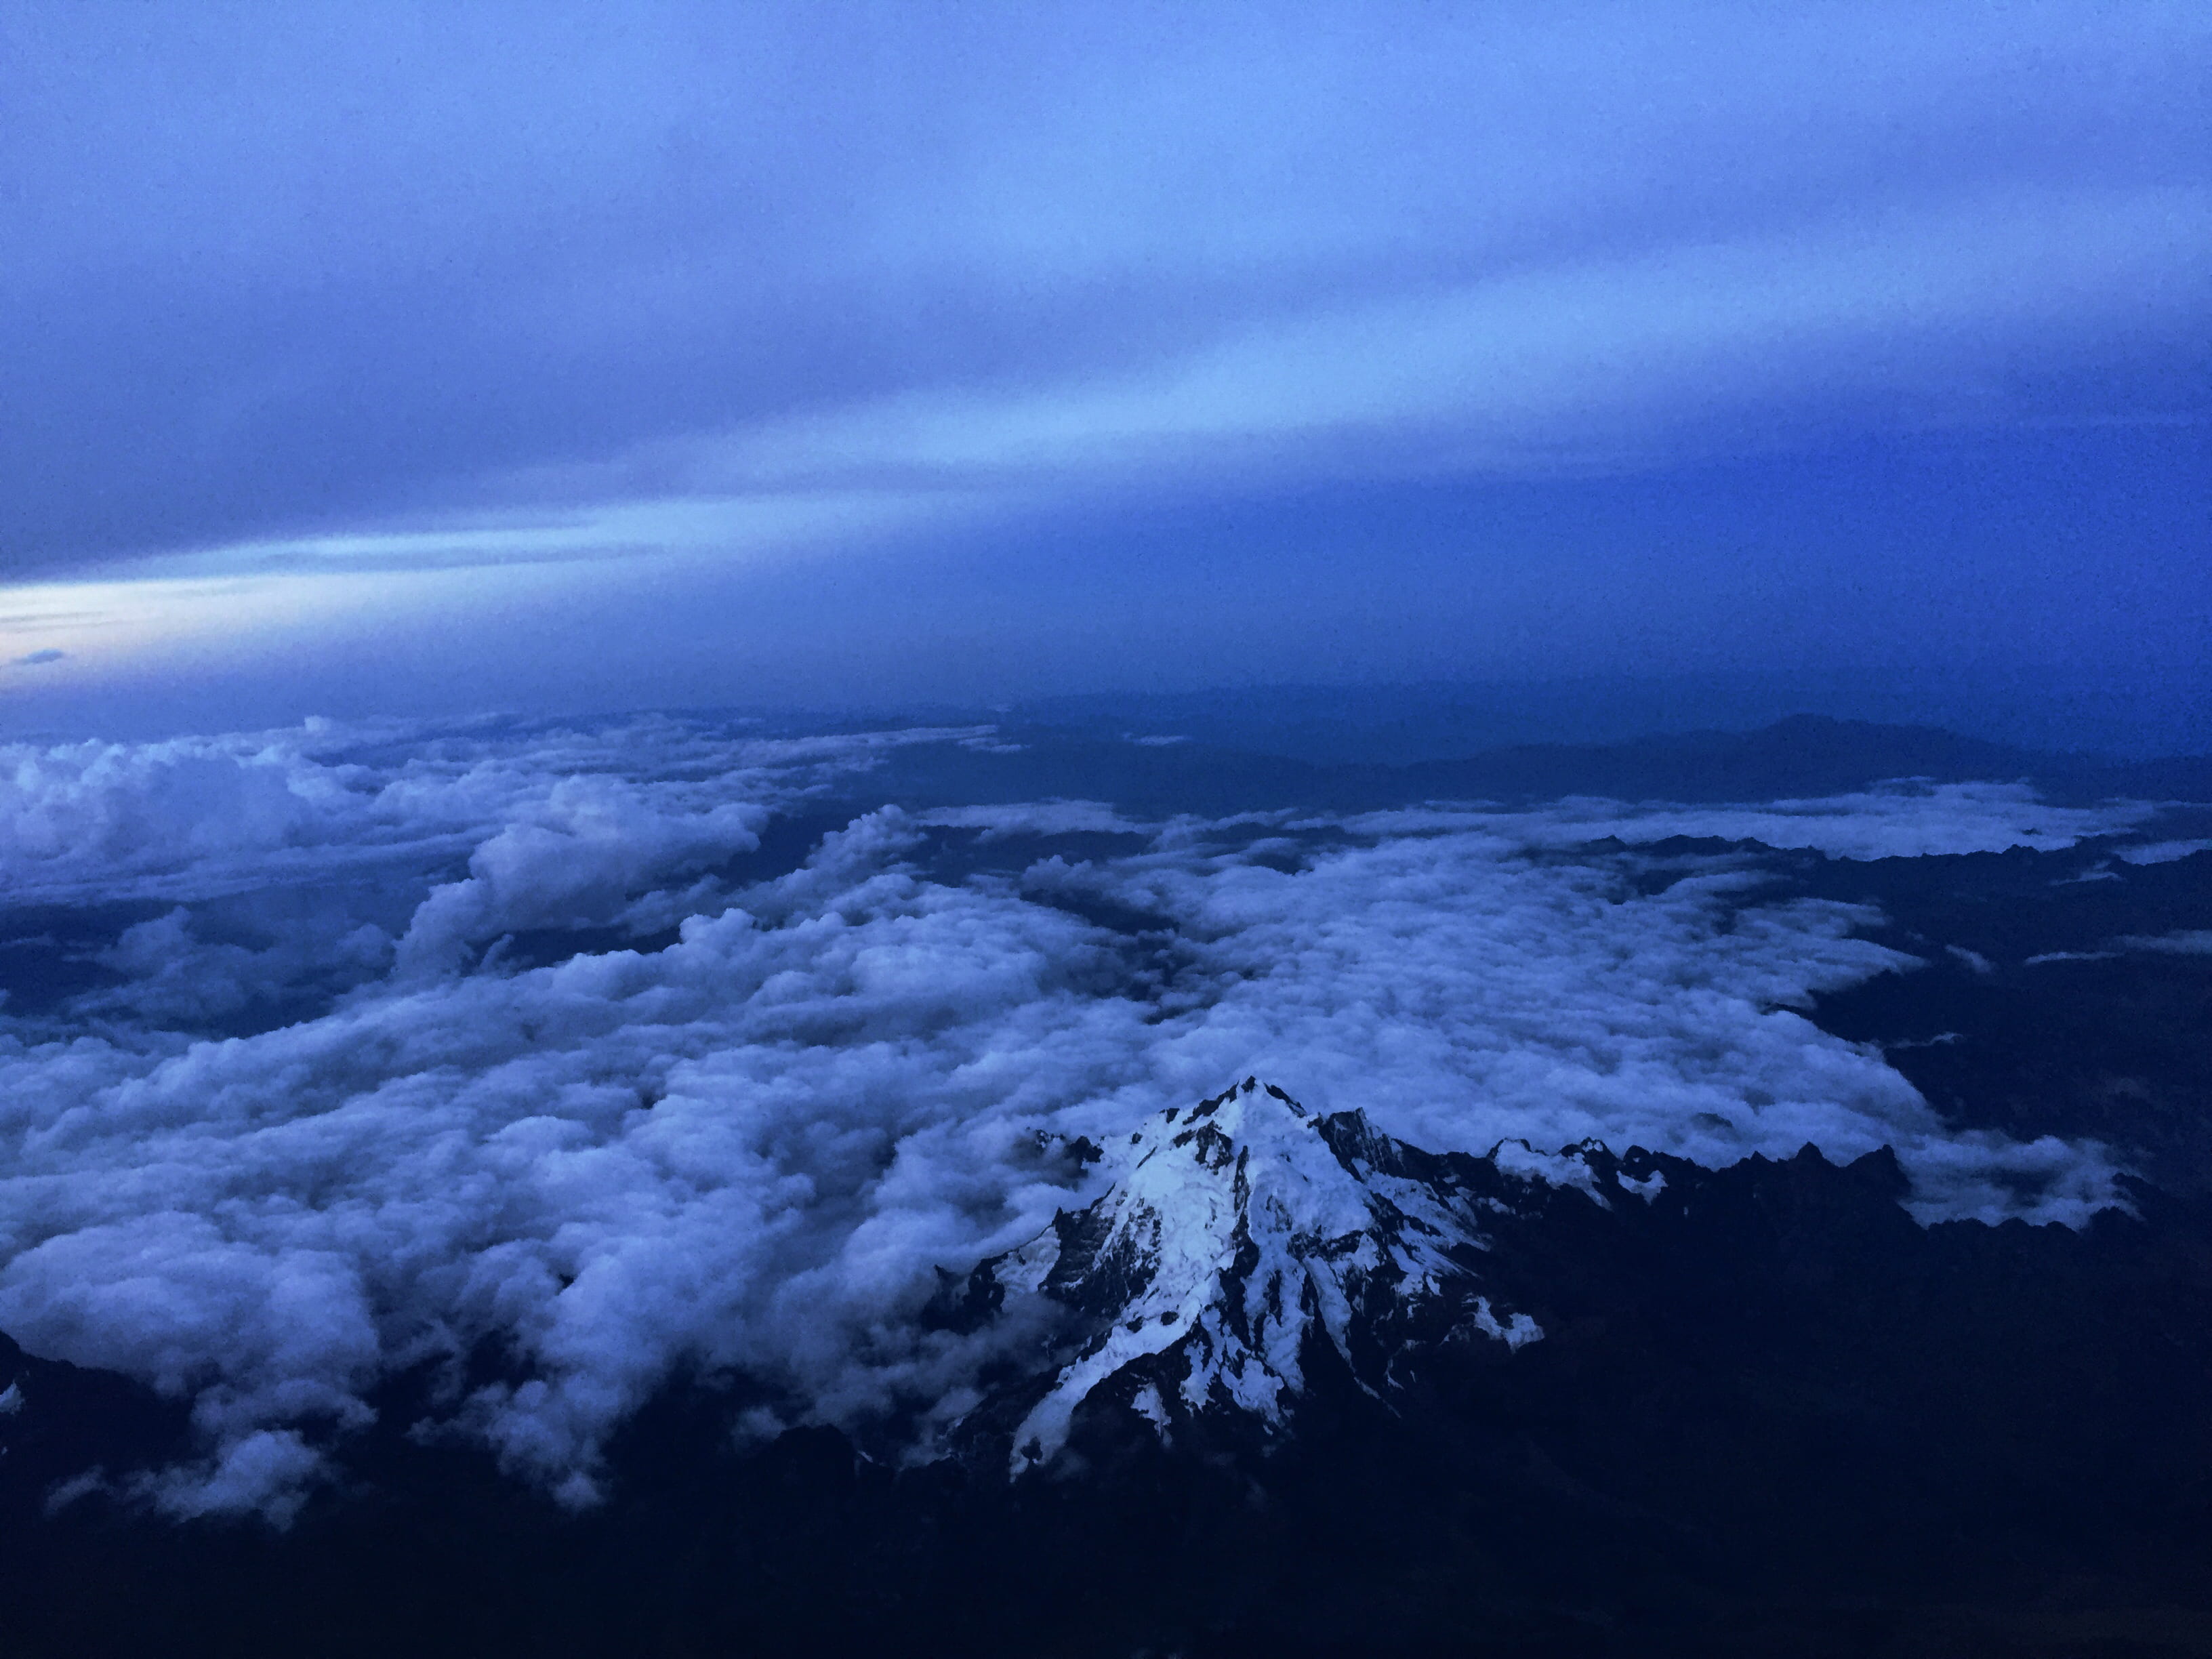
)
(379, 1048)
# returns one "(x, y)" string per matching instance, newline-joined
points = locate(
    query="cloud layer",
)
(715, 253)
(566, 1069)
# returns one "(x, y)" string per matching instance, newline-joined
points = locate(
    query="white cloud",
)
(1049, 818)
(193, 816)
(751, 1148)
(1903, 820)
(173, 977)
(2161, 852)
(111, 809)
(2188, 942)
(1462, 995)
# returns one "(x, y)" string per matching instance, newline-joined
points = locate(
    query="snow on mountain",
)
(1244, 1241)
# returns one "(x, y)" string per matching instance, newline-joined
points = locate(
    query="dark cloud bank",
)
(568, 1134)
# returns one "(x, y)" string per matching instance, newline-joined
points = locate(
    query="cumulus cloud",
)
(748, 1144)
(193, 816)
(114, 810)
(591, 847)
(172, 976)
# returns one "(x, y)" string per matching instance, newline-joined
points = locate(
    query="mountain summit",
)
(1247, 1243)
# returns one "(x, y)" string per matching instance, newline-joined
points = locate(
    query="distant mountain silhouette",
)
(2051, 709)
(1806, 755)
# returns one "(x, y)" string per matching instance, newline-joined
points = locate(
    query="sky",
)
(414, 361)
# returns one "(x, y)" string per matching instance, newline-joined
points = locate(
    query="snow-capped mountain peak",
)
(1243, 1239)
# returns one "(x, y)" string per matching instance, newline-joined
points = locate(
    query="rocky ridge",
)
(1247, 1248)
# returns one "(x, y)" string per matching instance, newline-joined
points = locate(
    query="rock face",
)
(1245, 1242)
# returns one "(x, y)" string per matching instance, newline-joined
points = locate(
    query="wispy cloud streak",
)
(745, 254)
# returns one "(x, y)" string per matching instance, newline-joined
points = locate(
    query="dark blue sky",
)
(415, 360)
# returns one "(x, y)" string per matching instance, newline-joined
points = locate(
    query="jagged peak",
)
(1236, 1090)
(1237, 1235)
